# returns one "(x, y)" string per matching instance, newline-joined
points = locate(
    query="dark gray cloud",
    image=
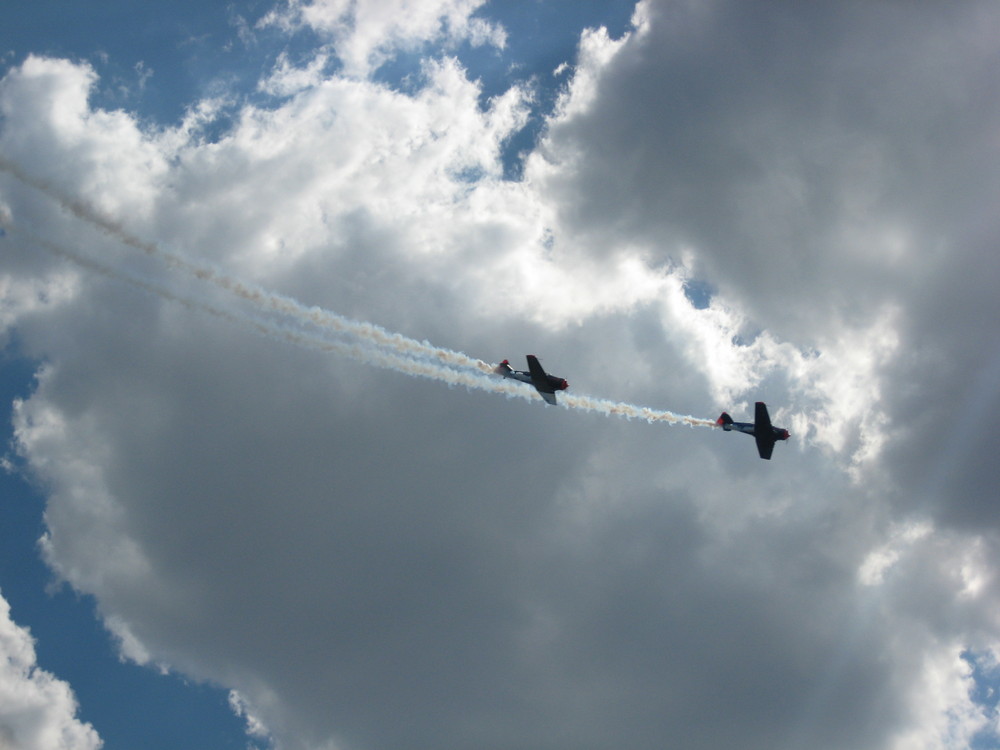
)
(787, 144)
(826, 164)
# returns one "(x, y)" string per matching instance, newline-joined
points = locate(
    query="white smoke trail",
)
(376, 346)
(366, 354)
(255, 295)
(630, 411)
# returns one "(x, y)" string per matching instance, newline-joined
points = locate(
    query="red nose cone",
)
(565, 385)
(785, 435)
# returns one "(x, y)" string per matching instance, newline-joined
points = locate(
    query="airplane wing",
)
(539, 379)
(761, 419)
(549, 396)
(762, 431)
(765, 443)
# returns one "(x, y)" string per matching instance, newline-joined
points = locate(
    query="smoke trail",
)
(376, 346)
(360, 352)
(630, 411)
(249, 292)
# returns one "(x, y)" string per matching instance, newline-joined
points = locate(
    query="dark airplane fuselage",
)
(749, 428)
(554, 383)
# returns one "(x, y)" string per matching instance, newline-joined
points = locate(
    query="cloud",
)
(372, 560)
(801, 162)
(37, 710)
(365, 35)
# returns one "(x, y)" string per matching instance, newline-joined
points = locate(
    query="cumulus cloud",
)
(369, 560)
(365, 35)
(37, 710)
(800, 161)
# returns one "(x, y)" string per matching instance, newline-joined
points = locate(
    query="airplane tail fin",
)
(724, 421)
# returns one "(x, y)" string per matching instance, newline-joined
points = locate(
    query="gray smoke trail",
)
(402, 351)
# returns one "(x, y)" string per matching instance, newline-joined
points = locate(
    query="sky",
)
(261, 490)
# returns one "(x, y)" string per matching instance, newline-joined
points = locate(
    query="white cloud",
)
(255, 727)
(70, 140)
(37, 710)
(20, 297)
(339, 545)
(365, 35)
(943, 715)
(873, 569)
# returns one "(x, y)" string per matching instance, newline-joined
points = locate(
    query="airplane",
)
(545, 384)
(765, 435)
